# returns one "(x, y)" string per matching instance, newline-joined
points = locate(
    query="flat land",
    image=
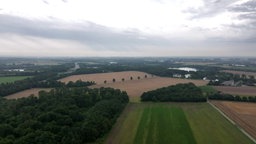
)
(197, 63)
(241, 73)
(11, 78)
(156, 123)
(242, 91)
(27, 93)
(99, 78)
(134, 87)
(243, 114)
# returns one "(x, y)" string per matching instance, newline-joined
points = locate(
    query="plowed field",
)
(243, 114)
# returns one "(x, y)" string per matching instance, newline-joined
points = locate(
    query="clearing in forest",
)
(9, 79)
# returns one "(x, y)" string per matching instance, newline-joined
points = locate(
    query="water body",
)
(188, 69)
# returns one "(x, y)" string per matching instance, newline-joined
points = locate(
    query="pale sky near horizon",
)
(127, 28)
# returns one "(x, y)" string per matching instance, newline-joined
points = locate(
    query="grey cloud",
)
(46, 2)
(97, 36)
(246, 10)
(210, 8)
(249, 6)
(102, 38)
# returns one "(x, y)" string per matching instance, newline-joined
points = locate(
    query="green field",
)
(182, 123)
(11, 78)
(163, 125)
(207, 90)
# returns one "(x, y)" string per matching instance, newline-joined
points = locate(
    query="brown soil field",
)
(99, 78)
(135, 88)
(241, 72)
(26, 93)
(243, 114)
(243, 91)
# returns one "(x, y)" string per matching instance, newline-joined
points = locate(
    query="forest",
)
(177, 93)
(61, 116)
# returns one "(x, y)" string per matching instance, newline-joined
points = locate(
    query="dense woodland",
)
(177, 93)
(61, 116)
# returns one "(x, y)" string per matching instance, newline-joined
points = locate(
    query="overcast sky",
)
(127, 28)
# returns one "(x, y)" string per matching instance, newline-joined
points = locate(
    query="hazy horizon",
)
(121, 28)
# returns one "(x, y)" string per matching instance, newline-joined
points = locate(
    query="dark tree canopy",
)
(61, 116)
(177, 93)
(229, 97)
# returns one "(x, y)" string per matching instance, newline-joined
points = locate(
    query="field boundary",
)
(230, 120)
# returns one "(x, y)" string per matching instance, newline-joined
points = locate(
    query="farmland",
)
(99, 78)
(243, 114)
(9, 79)
(240, 73)
(242, 91)
(26, 93)
(134, 87)
(144, 122)
(174, 123)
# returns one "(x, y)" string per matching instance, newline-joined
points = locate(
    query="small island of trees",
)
(177, 93)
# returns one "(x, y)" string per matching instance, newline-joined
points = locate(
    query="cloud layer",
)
(202, 28)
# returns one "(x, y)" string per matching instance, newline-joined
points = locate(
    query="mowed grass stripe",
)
(210, 127)
(162, 124)
(175, 123)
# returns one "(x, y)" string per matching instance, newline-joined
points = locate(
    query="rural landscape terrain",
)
(128, 100)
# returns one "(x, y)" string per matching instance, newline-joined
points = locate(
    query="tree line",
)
(61, 116)
(229, 97)
(177, 93)
(46, 78)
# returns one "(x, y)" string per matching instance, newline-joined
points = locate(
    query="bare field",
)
(99, 78)
(243, 91)
(243, 114)
(241, 72)
(135, 88)
(27, 93)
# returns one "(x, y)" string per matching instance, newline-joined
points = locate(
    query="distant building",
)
(232, 83)
(177, 75)
(187, 76)
(228, 83)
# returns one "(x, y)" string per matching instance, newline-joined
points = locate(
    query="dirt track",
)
(243, 91)
(26, 93)
(243, 114)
